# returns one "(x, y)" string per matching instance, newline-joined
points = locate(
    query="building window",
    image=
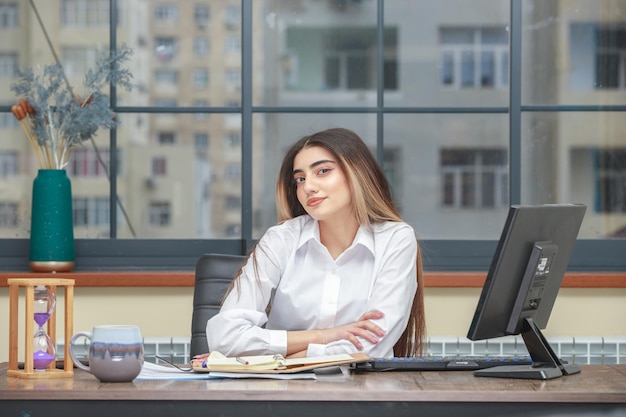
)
(232, 45)
(165, 48)
(201, 16)
(8, 121)
(159, 214)
(232, 173)
(347, 59)
(91, 211)
(84, 163)
(232, 17)
(233, 139)
(610, 59)
(165, 102)
(166, 12)
(233, 203)
(8, 64)
(166, 138)
(201, 104)
(9, 163)
(166, 76)
(201, 45)
(8, 16)
(78, 60)
(159, 166)
(8, 214)
(85, 13)
(233, 78)
(201, 77)
(474, 178)
(611, 180)
(474, 57)
(201, 141)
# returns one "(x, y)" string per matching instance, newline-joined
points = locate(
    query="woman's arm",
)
(298, 341)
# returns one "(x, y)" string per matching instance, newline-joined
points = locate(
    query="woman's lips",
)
(312, 202)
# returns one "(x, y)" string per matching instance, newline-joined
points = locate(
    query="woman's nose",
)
(310, 185)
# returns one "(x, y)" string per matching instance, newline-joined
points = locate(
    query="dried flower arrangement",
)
(54, 119)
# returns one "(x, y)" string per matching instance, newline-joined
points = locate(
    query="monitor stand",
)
(546, 364)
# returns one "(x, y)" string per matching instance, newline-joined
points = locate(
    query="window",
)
(201, 15)
(201, 45)
(233, 139)
(166, 12)
(233, 78)
(347, 59)
(232, 44)
(232, 16)
(77, 60)
(165, 48)
(474, 57)
(610, 66)
(8, 16)
(8, 121)
(166, 76)
(91, 211)
(444, 105)
(8, 64)
(201, 141)
(203, 104)
(8, 215)
(166, 138)
(85, 13)
(472, 178)
(84, 163)
(159, 214)
(159, 166)
(611, 179)
(201, 77)
(9, 163)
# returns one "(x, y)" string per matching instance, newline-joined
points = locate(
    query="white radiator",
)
(580, 350)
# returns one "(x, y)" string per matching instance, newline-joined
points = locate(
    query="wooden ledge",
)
(186, 279)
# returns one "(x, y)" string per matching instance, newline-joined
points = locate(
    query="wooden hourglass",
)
(40, 309)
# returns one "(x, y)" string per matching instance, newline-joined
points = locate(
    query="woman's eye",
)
(323, 171)
(298, 180)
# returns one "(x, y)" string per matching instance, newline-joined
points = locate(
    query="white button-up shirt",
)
(308, 289)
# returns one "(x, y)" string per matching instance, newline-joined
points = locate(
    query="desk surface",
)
(596, 388)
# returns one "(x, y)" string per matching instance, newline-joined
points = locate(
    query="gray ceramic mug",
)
(115, 352)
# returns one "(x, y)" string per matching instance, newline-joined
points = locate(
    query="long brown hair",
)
(373, 203)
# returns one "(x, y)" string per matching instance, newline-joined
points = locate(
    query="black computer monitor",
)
(522, 284)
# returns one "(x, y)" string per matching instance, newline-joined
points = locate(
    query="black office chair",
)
(214, 273)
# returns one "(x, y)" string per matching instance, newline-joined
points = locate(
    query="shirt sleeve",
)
(238, 328)
(392, 292)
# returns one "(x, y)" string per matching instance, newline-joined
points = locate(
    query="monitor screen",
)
(522, 284)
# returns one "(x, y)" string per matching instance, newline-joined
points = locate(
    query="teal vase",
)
(51, 223)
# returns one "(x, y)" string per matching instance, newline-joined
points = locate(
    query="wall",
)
(167, 311)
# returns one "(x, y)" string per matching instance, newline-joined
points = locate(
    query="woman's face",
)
(321, 185)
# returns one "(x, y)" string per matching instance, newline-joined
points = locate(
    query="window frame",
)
(439, 255)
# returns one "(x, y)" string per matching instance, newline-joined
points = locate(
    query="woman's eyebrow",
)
(314, 164)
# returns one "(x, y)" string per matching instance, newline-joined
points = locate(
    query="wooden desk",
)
(597, 390)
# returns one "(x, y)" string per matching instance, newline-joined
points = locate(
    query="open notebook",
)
(277, 364)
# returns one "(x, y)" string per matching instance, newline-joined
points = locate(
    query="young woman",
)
(340, 273)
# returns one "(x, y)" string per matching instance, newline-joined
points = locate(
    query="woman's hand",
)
(364, 328)
(200, 358)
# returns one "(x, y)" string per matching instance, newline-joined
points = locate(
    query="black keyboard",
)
(434, 363)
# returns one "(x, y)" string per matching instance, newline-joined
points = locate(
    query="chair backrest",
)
(214, 273)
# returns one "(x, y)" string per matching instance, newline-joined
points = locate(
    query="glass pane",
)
(271, 143)
(440, 165)
(450, 54)
(311, 53)
(578, 158)
(574, 52)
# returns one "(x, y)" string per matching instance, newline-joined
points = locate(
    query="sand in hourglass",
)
(41, 358)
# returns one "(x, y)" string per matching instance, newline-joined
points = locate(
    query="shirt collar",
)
(311, 231)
